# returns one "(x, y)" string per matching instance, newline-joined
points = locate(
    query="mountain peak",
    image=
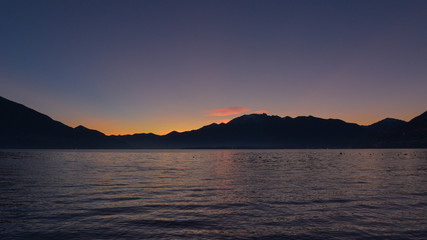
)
(387, 124)
(252, 118)
(173, 133)
(22, 127)
(389, 120)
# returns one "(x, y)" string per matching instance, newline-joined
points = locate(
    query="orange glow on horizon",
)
(223, 121)
(163, 128)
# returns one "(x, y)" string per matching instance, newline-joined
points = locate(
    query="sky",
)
(126, 67)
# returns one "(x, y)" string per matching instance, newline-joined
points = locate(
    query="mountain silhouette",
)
(387, 124)
(22, 127)
(411, 134)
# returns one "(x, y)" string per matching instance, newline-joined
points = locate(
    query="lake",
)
(213, 194)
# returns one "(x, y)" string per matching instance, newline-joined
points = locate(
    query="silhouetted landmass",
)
(413, 134)
(22, 127)
(387, 124)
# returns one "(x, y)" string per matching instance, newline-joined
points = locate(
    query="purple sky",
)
(157, 66)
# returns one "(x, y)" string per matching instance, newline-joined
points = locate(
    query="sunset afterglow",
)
(156, 66)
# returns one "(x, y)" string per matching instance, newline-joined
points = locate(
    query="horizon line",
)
(270, 115)
(166, 132)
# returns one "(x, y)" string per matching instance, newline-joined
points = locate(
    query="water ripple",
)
(213, 194)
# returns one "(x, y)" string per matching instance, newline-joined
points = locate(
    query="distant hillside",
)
(22, 127)
(263, 131)
(412, 134)
(387, 124)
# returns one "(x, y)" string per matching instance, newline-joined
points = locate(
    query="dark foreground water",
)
(213, 194)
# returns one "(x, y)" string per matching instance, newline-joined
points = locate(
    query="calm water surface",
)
(213, 194)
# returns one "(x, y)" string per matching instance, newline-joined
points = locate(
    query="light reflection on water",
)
(222, 194)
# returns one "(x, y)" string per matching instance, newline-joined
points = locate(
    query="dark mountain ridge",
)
(22, 127)
(386, 124)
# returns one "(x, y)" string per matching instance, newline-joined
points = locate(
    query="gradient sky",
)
(157, 66)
